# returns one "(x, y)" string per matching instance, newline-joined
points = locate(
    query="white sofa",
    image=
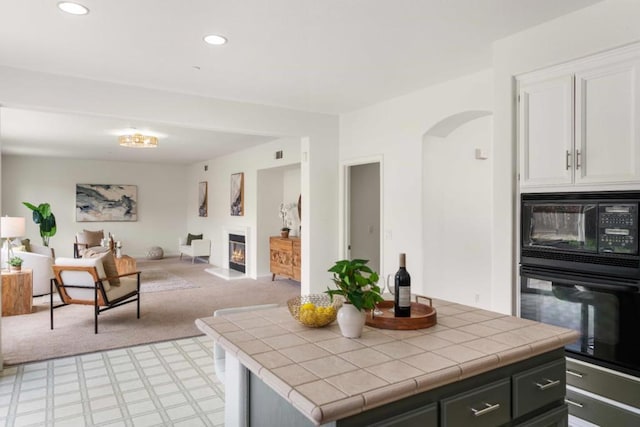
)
(40, 260)
(198, 248)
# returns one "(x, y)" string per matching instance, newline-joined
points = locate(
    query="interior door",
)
(363, 202)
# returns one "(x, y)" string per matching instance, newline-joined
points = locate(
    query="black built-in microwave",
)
(589, 232)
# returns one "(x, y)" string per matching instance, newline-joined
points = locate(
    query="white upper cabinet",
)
(546, 131)
(607, 124)
(579, 124)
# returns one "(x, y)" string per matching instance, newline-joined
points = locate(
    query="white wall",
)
(603, 26)
(319, 134)
(394, 130)
(251, 162)
(161, 199)
(457, 215)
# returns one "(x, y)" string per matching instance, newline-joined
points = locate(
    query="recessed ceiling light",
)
(72, 8)
(215, 39)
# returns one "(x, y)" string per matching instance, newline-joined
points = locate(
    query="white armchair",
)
(40, 260)
(42, 270)
(197, 248)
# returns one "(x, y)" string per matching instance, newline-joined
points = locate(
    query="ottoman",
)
(155, 252)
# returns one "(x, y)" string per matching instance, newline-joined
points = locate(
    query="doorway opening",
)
(363, 218)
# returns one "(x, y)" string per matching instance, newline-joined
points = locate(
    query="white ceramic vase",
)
(351, 321)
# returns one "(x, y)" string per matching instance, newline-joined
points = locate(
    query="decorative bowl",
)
(315, 310)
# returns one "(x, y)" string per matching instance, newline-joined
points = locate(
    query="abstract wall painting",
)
(202, 198)
(237, 194)
(106, 202)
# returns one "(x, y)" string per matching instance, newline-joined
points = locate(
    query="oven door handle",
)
(562, 278)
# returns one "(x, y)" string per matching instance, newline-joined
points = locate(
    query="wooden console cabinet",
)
(284, 256)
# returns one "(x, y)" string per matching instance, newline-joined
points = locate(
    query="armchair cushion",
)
(192, 237)
(90, 238)
(108, 263)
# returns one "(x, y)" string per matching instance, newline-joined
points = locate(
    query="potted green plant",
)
(356, 282)
(15, 263)
(43, 216)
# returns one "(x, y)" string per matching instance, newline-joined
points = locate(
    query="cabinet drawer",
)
(536, 387)
(484, 406)
(604, 383)
(280, 244)
(599, 412)
(558, 417)
(422, 417)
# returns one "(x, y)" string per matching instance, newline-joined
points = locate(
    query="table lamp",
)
(11, 227)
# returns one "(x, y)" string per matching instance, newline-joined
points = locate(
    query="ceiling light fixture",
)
(215, 39)
(138, 140)
(72, 8)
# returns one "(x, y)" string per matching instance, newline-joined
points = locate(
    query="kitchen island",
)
(474, 366)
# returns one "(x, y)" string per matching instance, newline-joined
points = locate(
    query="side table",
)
(125, 264)
(17, 292)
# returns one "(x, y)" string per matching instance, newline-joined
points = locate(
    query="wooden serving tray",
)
(422, 316)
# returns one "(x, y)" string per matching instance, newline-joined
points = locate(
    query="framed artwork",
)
(202, 198)
(237, 194)
(106, 202)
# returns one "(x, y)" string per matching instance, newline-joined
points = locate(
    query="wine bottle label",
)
(404, 296)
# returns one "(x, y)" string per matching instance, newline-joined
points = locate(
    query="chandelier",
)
(138, 140)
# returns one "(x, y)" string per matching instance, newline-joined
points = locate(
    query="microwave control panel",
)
(618, 228)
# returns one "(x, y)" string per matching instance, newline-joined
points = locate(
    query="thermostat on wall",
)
(481, 154)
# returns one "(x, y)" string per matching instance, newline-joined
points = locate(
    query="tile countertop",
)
(328, 377)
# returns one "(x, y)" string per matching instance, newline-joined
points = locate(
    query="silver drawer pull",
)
(549, 383)
(489, 408)
(571, 402)
(574, 373)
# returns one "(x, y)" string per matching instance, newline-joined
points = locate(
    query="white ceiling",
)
(329, 56)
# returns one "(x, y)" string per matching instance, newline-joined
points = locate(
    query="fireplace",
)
(237, 253)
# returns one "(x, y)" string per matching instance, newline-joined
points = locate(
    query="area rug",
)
(163, 315)
(158, 280)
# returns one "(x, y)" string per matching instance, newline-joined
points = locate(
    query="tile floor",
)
(164, 384)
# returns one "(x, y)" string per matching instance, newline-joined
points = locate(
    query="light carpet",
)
(159, 280)
(163, 315)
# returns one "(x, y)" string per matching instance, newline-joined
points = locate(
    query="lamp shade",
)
(12, 226)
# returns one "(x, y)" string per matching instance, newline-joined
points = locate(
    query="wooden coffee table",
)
(125, 264)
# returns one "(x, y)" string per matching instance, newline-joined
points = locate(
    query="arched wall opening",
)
(457, 208)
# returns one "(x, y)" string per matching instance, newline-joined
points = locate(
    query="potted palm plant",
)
(15, 263)
(356, 282)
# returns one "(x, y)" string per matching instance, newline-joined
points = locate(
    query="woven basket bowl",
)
(320, 300)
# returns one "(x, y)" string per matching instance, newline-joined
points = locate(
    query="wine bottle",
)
(402, 303)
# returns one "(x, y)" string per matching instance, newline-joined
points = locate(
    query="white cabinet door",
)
(546, 132)
(607, 124)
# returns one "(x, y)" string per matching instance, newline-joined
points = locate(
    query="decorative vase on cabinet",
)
(351, 320)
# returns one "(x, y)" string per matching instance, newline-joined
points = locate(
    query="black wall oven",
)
(580, 269)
